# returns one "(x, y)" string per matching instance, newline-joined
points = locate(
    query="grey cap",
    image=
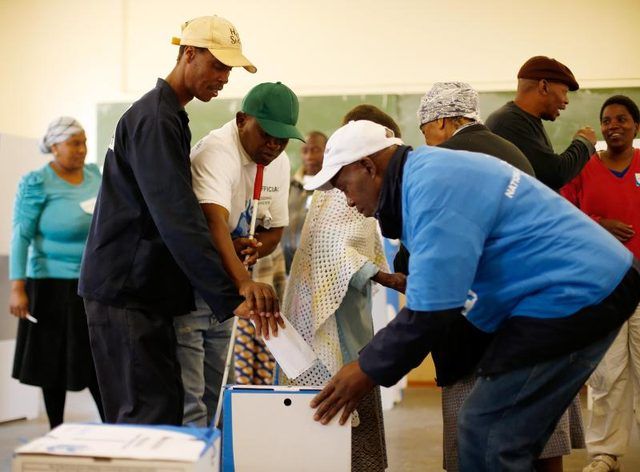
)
(449, 99)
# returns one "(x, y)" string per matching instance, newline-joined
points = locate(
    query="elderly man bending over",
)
(489, 245)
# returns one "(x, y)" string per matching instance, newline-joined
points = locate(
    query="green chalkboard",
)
(316, 114)
(325, 114)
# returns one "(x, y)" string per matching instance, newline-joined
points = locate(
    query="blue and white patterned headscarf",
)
(59, 130)
(449, 99)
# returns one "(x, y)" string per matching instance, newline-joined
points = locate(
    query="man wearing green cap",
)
(223, 166)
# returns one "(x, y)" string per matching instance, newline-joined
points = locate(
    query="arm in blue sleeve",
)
(403, 344)
(454, 343)
(28, 205)
(162, 171)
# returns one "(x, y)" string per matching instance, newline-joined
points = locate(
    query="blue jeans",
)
(202, 352)
(507, 419)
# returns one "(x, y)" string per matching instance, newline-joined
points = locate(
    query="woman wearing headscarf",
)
(328, 301)
(449, 117)
(51, 218)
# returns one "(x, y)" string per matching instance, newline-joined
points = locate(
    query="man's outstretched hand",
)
(343, 392)
(261, 305)
(396, 281)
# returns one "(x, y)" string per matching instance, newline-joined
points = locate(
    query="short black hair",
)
(626, 102)
(318, 134)
(183, 47)
(372, 113)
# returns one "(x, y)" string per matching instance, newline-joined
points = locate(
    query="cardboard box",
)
(269, 428)
(118, 448)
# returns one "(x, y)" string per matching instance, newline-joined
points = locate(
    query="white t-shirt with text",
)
(224, 174)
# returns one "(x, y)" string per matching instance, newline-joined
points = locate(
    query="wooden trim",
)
(421, 383)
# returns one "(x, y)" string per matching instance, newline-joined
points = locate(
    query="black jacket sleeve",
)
(401, 261)
(553, 170)
(455, 344)
(162, 173)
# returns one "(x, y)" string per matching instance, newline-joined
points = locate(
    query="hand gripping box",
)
(116, 448)
(268, 428)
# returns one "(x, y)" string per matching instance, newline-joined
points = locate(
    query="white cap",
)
(349, 144)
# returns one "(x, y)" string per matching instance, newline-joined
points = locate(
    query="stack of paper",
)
(117, 441)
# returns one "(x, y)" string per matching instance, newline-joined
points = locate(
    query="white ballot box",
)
(269, 428)
(117, 448)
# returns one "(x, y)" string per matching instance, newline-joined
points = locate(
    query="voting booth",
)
(272, 428)
(116, 448)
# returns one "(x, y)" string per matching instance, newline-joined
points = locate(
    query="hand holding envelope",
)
(291, 351)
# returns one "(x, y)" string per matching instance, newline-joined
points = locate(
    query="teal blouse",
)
(51, 220)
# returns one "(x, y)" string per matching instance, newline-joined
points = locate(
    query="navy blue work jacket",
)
(149, 242)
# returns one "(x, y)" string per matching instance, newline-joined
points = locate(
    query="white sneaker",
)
(603, 463)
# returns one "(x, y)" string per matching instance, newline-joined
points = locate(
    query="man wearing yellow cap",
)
(149, 244)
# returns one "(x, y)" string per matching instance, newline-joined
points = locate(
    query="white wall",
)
(64, 56)
(59, 57)
(18, 155)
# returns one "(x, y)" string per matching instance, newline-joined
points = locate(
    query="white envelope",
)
(291, 351)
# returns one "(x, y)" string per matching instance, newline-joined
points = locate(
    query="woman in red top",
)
(608, 190)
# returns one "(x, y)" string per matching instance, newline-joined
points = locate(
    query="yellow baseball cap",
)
(217, 35)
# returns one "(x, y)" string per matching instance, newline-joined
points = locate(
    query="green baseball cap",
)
(275, 106)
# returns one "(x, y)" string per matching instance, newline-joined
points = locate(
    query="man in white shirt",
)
(223, 166)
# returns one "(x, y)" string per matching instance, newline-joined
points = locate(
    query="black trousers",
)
(135, 357)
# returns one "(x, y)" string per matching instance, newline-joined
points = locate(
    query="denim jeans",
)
(507, 418)
(202, 352)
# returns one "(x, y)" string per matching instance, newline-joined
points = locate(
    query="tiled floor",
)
(413, 430)
(414, 436)
(79, 408)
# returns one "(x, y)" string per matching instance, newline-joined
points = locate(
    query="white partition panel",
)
(16, 400)
(18, 156)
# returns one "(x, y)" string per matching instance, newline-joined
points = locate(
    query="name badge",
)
(88, 206)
